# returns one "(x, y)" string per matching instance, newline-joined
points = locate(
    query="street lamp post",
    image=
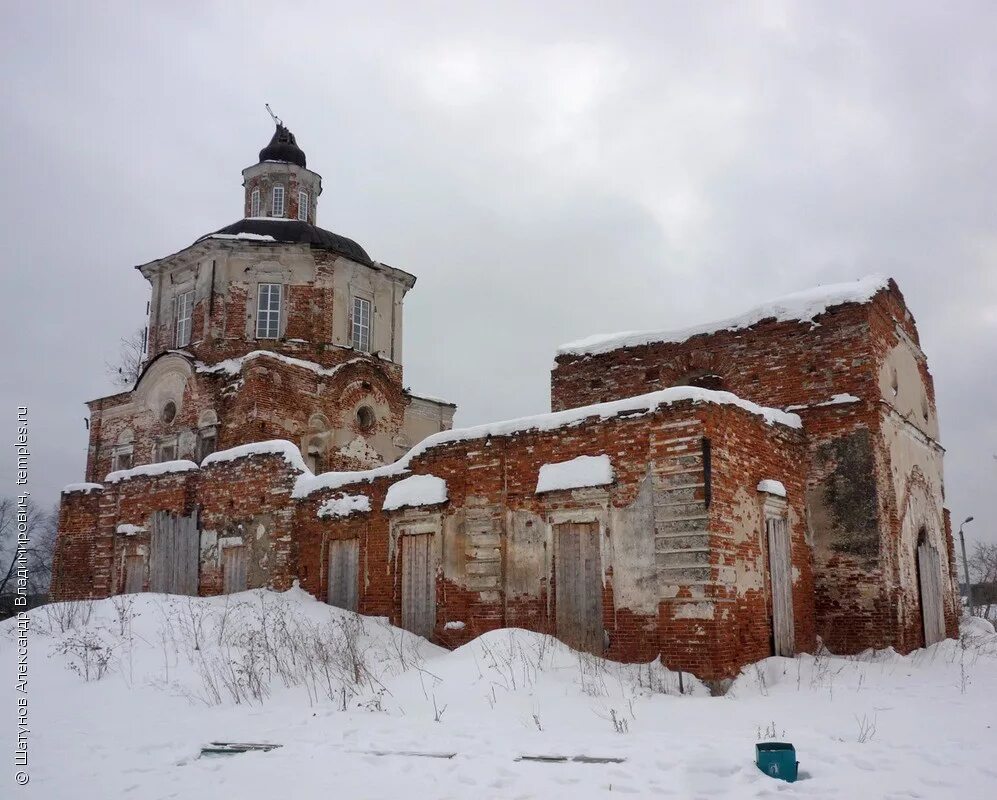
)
(965, 566)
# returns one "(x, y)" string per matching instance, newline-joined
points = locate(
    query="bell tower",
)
(279, 185)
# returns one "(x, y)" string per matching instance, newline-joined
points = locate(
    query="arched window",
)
(254, 203)
(703, 380)
(277, 204)
(313, 458)
(366, 418)
(121, 456)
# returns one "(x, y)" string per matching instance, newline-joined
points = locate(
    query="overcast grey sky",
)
(547, 170)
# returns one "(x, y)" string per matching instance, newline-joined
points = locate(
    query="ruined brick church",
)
(711, 496)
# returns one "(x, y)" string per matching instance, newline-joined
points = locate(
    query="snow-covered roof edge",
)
(86, 488)
(252, 237)
(770, 486)
(414, 491)
(645, 404)
(343, 505)
(836, 400)
(233, 366)
(803, 306)
(148, 470)
(576, 473)
(280, 447)
(430, 398)
(126, 529)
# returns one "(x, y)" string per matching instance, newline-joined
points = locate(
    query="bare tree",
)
(983, 574)
(41, 534)
(126, 369)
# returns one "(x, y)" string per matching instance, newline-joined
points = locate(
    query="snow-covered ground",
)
(125, 692)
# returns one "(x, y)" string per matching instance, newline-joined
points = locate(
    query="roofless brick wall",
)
(680, 554)
(849, 362)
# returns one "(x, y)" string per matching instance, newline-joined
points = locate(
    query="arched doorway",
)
(929, 571)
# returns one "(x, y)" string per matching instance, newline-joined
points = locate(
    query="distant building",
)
(713, 495)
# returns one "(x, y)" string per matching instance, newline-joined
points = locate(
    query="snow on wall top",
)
(273, 447)
(575, 474)
(233, 366)
(253, 237)
(803, 306)
(342, 505)
(292, 455)
(415, 490)
(126, 529)
(86, 488)
(836, 400)
(430, 398)
(770, 486)
(642, 404)
(160, 468)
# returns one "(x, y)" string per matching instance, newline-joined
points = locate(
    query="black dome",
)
(282, 147)
(297, 232)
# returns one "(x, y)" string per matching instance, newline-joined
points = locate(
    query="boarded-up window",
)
(781, 579)
(418, 584)
(175, 548)
(578, 579)
(344, 557)
(207, 441)
(929, 573)
(235, 561)
(134, 574)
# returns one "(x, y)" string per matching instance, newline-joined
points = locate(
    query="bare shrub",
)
(89, 655)
(768, 732)
(867, 728)
(620, 724)
(123, 613)
(60, 618)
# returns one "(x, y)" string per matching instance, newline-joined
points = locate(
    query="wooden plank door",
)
(134, 574)
(781, 579)
(929, 576)
(344, 559)
(175, 553)
(235, 564)
(418, 584)
(578, 585)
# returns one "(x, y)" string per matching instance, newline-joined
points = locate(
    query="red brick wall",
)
(503, 474)
(73, 560)
(773, 364)
(862, 596)
(491, 484)
(249, 498)
(744, 455)
(268, 399)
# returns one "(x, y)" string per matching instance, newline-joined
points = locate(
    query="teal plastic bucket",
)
(777, 760)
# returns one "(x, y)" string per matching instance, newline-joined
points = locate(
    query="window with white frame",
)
(303, 206)
(184, 312)
(268, 311)
(361, 324)
(277, 206)
(254, 203)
